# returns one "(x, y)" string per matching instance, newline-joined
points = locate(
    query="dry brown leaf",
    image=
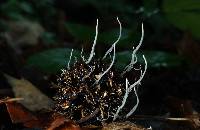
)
(122, 126)
(34, 99)
(60, 124)
(47, 120)
(55, 121)
(179, 107)
(23, 32)
(184, 114)
(19, 114)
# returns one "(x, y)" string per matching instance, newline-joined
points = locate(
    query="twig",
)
(84, 119)
(159, 118)
(5, 100)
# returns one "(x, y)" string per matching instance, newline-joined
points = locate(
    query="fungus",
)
(92, 91)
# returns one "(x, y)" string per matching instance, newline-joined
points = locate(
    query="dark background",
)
(37, 37)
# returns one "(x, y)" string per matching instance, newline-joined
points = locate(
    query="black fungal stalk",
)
(93, 91)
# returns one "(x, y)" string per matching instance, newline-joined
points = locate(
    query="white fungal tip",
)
(94, 44)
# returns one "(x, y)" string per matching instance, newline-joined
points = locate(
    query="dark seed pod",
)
(92, 92)
(81, 98)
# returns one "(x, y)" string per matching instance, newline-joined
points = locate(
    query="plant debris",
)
(33, 98)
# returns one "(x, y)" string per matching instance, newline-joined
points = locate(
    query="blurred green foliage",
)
(158, 16)
(80, 32)
(33, 10)
(86, 33)
(52, 60)
(155, 59)
(48, 37)
(13, 9)
(55, 59)
(184, 14)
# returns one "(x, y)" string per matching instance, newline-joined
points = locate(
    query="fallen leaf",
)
(60, 124)
(184, 114)
(55, 121)
(179, 107)
(34, 99)
(18, 113)
(47, 120)
(23, 32)
(122, 126)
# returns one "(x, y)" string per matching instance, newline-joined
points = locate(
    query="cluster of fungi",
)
(92, 91)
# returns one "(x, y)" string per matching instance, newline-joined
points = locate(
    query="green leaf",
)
(26, 7)
(15, 16)
(49, 37)
(150, 5)
(86, 33)
(184, 14)
(154, 59)
(80, 32)
(109, 37)
(51, 61)
(13, 9)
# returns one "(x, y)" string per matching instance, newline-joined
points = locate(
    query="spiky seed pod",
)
(91, 90)
(80, 97)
